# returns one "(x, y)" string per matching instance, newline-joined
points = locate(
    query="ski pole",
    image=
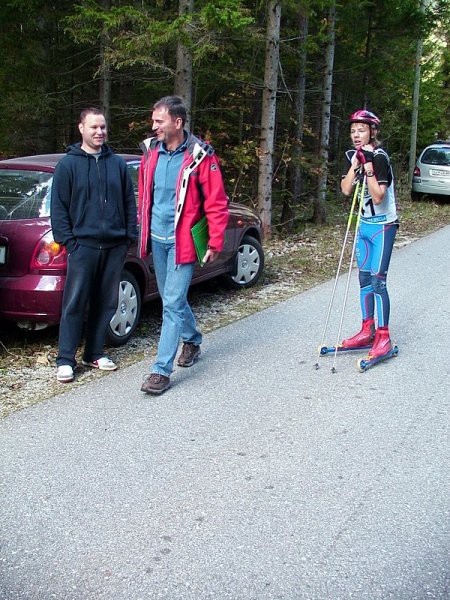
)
(358, 219)
(338, 270)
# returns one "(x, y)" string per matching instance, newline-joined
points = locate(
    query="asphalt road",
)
(255, 476)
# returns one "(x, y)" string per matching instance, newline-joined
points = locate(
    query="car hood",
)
(20, 239)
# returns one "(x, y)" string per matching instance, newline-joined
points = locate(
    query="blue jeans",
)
(178, 320)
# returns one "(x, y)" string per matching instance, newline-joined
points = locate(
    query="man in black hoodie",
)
(93, 214)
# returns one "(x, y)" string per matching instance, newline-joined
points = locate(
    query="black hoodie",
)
(92, 201)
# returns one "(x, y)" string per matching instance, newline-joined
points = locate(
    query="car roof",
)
(438, 144)
(46, 161)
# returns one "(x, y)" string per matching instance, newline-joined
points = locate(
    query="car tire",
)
(416, 196)
(126, 318)
(248, 264)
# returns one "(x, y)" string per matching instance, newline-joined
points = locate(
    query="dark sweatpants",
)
(93, 277)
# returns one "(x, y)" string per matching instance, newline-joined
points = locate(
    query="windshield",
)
(24, 194)
(437, 156)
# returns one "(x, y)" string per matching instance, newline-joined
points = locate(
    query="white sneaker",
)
(104, 364)
(64, 374)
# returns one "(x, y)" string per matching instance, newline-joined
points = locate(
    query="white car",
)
(432, 172)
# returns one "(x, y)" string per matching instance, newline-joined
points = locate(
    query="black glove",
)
(364, 156)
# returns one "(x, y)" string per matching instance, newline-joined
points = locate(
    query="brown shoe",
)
(155, 384)
(189, 354)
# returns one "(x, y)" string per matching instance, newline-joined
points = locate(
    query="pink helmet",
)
(365, 116)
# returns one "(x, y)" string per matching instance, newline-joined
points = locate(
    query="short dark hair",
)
(90, 111)
(175, 107)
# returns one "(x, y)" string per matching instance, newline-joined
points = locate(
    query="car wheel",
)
(124, 322)
(248, 264)
(416, 196)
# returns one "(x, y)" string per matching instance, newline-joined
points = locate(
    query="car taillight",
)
(48, 254)
(416, 172)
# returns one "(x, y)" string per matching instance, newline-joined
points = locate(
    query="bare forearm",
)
(347, 182)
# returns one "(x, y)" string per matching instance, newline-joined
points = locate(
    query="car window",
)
(24, 194)
(436, 156)
(133, 168)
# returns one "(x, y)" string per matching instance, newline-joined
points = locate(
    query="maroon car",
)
(33, 265)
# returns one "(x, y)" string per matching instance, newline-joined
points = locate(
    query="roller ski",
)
(381, 350)
(361, 341)
(323, 350)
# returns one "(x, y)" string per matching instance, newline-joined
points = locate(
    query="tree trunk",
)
(105, 70)
(368, 51)
(290, 203)
(443, 130)
(336, 144)
(183, 74)
(320, 212)
(269, 104)
(415, 111)
(415, 102)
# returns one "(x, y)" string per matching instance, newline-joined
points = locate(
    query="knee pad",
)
(379, 283)
(365, 279)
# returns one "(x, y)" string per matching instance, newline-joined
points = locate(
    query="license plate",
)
(2, 255)
(439, 173)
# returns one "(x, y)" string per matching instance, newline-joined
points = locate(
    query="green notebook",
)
(200, 235)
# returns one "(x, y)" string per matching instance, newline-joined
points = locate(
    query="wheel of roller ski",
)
(361, 364)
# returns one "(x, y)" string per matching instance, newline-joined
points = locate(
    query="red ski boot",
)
(381, 350)
(382, 343)
(363, 338)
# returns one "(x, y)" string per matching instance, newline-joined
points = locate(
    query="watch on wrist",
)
(369, 173)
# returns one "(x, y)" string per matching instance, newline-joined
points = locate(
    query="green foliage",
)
(32, 52)
(55, 53)
(221, 15)
(140, 36)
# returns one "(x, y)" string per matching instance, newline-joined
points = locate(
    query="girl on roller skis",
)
(376, 233)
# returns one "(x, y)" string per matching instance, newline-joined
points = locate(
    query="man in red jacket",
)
(179, 181)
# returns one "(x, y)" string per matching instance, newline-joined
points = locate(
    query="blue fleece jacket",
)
(164, 193)
(92, 200)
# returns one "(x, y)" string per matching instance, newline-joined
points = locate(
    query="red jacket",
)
(205, 194)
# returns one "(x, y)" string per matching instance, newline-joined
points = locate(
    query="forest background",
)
(269, 83)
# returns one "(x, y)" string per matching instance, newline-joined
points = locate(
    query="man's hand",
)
(210, 256)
